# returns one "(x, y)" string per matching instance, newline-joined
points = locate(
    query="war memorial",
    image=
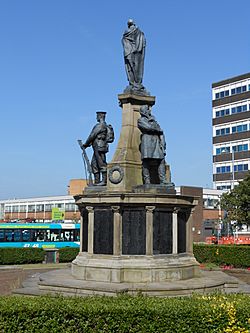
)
(136, 233)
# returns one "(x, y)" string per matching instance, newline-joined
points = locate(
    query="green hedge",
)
(231, 255)
(68, 254)
(16, 256)
(214, 313)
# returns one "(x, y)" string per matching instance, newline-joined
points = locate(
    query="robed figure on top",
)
(134, 43)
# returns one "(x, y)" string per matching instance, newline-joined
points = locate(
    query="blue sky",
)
(61, 61)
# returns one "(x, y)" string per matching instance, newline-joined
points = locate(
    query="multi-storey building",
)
(231, 131)
(39, 209)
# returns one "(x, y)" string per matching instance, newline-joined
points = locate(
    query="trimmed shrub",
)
(68, 254)
(231, 255)
(213, 313)
(16, 256)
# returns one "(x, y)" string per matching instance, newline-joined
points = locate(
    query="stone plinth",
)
(135, 237)
(124, 171)
(131, 269)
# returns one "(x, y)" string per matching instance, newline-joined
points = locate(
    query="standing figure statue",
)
(100, 136)
(152, 148)
(134, 43)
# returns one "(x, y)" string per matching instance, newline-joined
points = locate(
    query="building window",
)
(239, 128)
(48, 207)
(223, 131)
(59, 205)
(15, 209)
(39, 208)
(70, 207)
(222, 113)
(238, 90)
(210, 203)
(223, 169)
(222, 150)
(7, 209)
(222, 94)
(224, 187)
(240, 167)
(240, 148)
(31, 208)
(238, 109)
(22, 209)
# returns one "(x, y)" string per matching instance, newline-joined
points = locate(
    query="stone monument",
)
(135, 229)
(136, 233)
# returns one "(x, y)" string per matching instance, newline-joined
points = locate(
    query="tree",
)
(237, 202)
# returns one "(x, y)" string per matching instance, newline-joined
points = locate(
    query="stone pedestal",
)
(130, 232)
(135, 237)
(124, 171)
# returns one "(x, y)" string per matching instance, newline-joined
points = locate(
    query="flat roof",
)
(231, 80)
(39, 199)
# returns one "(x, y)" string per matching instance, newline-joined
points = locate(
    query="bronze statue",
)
(99, 138)
(134, 43)
(152, 148)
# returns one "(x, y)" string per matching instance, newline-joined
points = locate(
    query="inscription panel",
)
(134, 231)
(162, 232)
(182, 219)
(103, 231)
(84, 231)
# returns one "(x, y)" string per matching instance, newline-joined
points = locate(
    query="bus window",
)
(17, 235)
(48, 236)
(33, 235)
(26, 235)
(55, 235)
(1, 235)
(41, 236)
(8, 235)
(77, 235)
(68, 235)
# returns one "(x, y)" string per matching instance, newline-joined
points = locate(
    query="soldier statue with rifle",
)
(101, 135)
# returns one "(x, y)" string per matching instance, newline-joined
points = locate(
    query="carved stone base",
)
(135, 237)
(141, 91)
(63, 283)
(143, 269)
(155, 188)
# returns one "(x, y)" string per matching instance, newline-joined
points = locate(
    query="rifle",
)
(86, 160)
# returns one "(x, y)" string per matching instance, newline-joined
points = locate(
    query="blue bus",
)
(39, 235)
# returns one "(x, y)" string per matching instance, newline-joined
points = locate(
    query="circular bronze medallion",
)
(116, 174)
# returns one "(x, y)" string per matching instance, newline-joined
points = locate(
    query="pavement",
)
(13, 276)
(38, 279)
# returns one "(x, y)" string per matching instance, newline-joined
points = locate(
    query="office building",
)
(231, 131)
(39, 209)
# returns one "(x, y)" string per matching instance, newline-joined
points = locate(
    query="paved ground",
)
(243, 275)
(11, 277)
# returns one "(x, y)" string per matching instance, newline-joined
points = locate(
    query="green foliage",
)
(237, 202)
(214, 313)
(235, 255)
(16, 256)
(68, 254)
